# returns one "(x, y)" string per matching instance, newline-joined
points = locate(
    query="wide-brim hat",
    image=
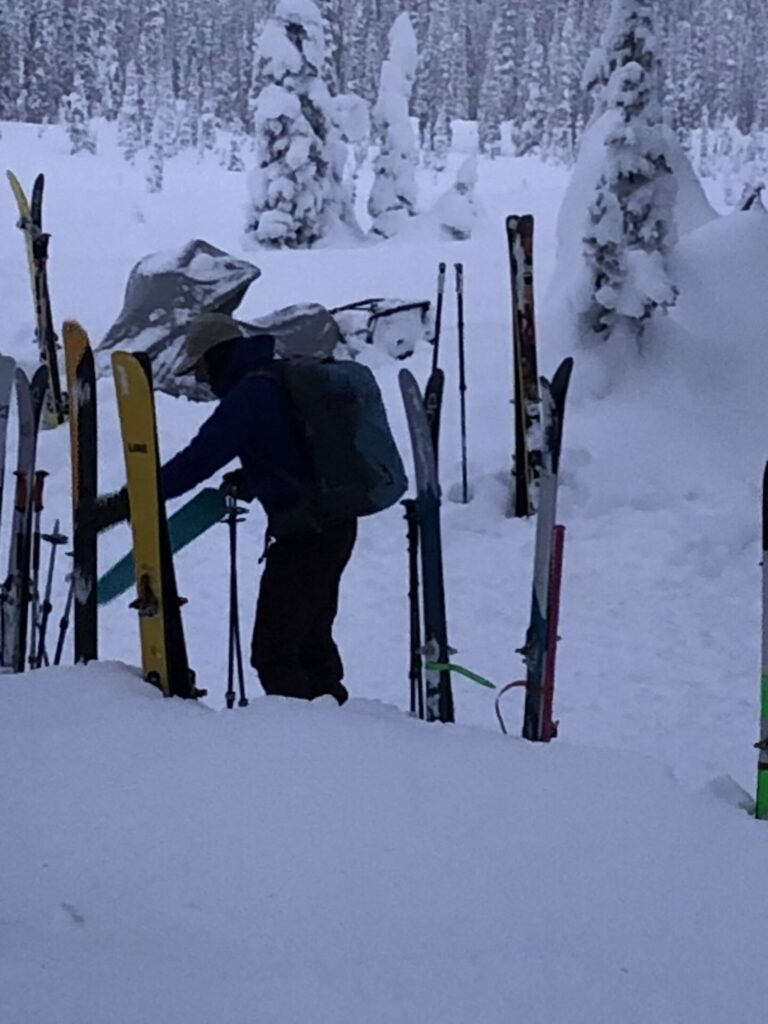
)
(206, 332)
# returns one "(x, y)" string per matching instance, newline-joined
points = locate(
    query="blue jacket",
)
(253, 422)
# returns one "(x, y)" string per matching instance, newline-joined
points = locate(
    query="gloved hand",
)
(235, 484)
(110, 509)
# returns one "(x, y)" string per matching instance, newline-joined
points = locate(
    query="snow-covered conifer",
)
(206, 128)
(351, 119)
(456, 209)
(434, 95)
(154, 176)
(234, 156)
(107, 73)
(164, 135)
(441, 139)
(79, 130)
(364, 48)
(295, 187)
(631, 216)
(150, 63)
(188, 124)
(331, 15)
(393, 196)
(490, 112)
(704, 163)
(562, 116)
(129, 120)
(38, 67)
(528, 133)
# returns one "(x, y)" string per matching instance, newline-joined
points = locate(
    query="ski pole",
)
(54, 539)
(438, 314)
(37, 511)
(459, 269)
(415, 671)
(64, 621)
(235, 651)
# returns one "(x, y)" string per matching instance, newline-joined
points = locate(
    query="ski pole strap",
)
(502, 691)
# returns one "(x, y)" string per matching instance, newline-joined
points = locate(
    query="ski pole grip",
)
(21, 490)
(37, 490)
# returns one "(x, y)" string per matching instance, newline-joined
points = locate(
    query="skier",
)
(292, 650)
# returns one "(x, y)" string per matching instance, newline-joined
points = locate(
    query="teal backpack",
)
(357, 469)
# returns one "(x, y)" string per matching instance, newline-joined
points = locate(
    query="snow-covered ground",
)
(288, 863)
(292, 863)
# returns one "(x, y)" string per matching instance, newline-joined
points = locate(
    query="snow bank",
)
(295, 862)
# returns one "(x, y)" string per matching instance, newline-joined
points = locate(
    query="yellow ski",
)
(163, 650)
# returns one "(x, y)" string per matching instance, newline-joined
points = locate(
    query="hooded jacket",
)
(253, 422)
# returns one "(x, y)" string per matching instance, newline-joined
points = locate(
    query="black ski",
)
(439, 696)
(526, 385)
(81, 381)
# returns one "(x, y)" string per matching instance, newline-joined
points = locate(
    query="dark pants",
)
(293, 649)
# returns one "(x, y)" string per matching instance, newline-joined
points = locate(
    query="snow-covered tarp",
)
(167, 290)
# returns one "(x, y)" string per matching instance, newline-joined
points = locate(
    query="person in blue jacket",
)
(292, 650)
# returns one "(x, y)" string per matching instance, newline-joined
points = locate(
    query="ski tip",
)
(562, 376)
(522, 222)
(73, 331)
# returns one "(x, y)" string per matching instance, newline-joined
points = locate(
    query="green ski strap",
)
(460, 670)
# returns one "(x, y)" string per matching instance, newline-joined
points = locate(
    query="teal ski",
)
(191, 521)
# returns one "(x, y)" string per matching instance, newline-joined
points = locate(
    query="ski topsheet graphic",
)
(163, 649)
(81, 382)
(526, 382)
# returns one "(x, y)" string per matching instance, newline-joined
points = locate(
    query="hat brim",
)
(189, 362)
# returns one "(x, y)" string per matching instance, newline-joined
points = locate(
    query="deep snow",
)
(293, 863)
